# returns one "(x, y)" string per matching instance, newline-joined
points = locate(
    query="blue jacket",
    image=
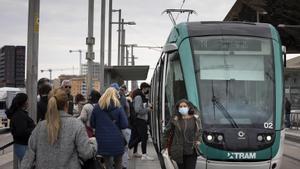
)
(108, 133)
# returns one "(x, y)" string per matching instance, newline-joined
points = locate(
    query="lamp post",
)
(50, 73)
(122, 42)
(79, 51)
(119, 33)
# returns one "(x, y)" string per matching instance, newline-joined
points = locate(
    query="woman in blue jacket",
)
(109, 118)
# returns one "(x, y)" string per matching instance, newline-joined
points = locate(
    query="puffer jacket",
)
(176, 148)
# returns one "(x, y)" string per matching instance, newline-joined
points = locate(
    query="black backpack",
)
(132, 117)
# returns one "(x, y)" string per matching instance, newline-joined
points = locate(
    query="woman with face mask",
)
(182, 136)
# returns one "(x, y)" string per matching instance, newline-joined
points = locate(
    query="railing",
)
(2, 148)
(295, 119)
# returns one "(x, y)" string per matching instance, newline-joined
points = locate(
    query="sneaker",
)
(137, 155)
(146, 157)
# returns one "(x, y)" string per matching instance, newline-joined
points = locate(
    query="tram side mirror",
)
(170, 47)
(284, 55)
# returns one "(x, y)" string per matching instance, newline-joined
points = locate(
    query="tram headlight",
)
(209, 138)
(259, 138)
(220, 138)
(269, 138)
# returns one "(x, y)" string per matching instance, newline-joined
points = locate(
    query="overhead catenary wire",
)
(180, 9)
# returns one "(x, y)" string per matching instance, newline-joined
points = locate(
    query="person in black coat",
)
(43, 88)
(21, 124)
(287, 106)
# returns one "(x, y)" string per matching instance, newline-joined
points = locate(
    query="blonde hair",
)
(109, 96)
(57, 101)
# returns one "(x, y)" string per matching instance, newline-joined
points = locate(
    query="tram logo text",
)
(241, 155)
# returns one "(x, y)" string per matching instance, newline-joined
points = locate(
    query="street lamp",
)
(80, 51)
(50, 72)
(122, 42)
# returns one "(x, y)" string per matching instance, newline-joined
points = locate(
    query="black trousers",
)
(142, 130)
(189, 162)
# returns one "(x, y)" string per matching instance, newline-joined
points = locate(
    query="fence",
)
(295, 119)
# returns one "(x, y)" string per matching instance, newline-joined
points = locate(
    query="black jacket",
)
(21, 126)
(42, 108)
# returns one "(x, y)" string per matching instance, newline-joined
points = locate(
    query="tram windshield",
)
(236, 81)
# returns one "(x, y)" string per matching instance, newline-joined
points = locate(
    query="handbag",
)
(92, 163)
(169, 163)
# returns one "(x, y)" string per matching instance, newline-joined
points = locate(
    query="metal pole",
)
(90, 41)
(257, 16)
(123, 44)
(80, 69)
(133, 82)
(132, 56)
(32, 55)
(102, 41)
(119, 37)
(32, 59)
(127, 55)
(127, 58)
(109, 31)
(50, 71)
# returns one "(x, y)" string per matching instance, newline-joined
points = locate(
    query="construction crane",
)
(51, 70)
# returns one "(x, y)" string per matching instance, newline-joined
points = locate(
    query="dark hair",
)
(191, 107)
(79, 97)
(144, 85)
(137, 92)
(44, 89)
(94, 96)
(17, 103)
(41, 82)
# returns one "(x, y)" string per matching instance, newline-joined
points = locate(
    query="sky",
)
(64, 25)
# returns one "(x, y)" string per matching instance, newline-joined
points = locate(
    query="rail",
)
(295, 119)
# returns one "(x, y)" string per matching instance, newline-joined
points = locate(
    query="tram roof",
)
(284, 15)
(229, 28)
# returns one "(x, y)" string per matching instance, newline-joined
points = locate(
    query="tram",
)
(232, 73)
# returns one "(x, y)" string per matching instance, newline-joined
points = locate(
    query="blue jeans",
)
(20, 150)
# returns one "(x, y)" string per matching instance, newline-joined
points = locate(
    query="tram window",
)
(175, 86)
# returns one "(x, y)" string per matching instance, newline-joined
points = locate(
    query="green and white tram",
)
(232, 72)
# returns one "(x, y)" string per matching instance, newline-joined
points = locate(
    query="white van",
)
(6, 96)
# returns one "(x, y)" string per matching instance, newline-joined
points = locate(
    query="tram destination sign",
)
(227, 44)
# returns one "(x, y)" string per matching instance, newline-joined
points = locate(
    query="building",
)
(78, 83)
(12, 66)
(96, 69)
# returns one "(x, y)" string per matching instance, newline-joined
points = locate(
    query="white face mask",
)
(183, 110)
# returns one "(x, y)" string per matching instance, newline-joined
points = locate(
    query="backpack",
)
(133, 115)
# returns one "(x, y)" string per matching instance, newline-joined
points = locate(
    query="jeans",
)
(113, 162)
(20, 150)
(189, 162)
(125, 157)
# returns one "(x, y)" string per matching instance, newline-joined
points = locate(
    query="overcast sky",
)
(63, 26)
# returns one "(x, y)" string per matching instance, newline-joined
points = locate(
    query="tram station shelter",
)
(120, 74)
(284, 15)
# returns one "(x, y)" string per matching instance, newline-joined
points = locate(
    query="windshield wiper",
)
(226, 114)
